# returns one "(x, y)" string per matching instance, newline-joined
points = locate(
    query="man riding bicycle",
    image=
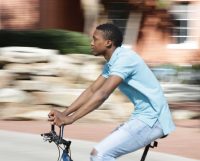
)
(151, 118)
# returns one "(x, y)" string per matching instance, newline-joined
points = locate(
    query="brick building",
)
(161, 31)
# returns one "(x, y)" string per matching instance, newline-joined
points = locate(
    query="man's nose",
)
(92, 43)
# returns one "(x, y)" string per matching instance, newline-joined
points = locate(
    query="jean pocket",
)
(144, 135)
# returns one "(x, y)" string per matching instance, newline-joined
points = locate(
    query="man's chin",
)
(95, 53)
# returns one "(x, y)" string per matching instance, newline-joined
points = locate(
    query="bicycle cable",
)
(58, 152)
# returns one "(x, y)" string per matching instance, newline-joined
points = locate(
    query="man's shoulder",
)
(129, 54)
(127, 51)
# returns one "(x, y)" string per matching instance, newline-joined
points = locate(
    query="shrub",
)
(62, 40)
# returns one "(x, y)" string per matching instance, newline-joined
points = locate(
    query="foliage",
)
(62, 40)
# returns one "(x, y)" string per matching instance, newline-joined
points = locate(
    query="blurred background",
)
(45, 54)
(45, 58)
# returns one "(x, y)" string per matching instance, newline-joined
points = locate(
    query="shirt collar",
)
(114, 56)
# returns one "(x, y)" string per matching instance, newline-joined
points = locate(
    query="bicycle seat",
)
(164, 136)
(151, 145)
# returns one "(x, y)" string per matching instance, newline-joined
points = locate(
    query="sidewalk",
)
(183, 142)
(29, 147)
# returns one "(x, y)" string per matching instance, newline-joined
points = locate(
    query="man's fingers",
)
(51, 113)
(55, 117)
(54, 123)
(51, 119)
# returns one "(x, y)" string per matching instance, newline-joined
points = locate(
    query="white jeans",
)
(129, 137)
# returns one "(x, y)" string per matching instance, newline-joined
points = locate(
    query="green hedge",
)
(62, 40)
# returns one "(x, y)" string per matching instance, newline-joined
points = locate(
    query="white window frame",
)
(191, 41)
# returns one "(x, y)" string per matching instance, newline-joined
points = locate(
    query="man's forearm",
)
(95, 101)
(85, 96)
(78, 102)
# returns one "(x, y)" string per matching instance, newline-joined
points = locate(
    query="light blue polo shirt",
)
(141, 87)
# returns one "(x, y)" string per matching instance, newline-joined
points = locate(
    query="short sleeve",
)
(105, 72)
(124, 66)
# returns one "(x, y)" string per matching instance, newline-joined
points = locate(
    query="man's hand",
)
(58, 118)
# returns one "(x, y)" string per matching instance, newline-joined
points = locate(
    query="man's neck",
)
(109, 53)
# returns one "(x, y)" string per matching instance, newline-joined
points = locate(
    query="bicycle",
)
(66, 154)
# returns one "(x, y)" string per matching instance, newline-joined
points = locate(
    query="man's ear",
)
(109, 43)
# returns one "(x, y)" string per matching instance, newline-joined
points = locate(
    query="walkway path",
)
(183, 142)
(28, 147)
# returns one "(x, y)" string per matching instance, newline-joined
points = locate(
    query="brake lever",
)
(58, 140)
(53, 137)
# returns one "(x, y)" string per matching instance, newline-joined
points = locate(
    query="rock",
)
(65, 96)
(34, 85)
(70, 66)
(63, 60)
(82, 58)
(29, 85)
(66, 82)
(26, 55)
(60, 98)
(110, 112)
(19, 111)
(14, 95)
(32, 115)
(175, 92)
(6, 78)
(32, 69)
(185, 114)
(90, 72)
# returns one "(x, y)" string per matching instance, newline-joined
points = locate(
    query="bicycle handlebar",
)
(57, 139)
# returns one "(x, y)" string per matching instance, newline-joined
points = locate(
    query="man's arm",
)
(96, 99)
(85, 96)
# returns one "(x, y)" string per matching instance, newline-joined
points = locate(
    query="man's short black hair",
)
(112, 33)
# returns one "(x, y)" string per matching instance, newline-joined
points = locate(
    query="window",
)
(185, 16)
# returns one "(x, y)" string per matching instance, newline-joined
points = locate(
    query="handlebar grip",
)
(46, 134)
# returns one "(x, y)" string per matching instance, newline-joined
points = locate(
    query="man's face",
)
(98, 43)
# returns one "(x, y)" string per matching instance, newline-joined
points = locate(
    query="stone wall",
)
(34, 80)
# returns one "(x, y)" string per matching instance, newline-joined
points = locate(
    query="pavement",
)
(22, 139)
(28, 147)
